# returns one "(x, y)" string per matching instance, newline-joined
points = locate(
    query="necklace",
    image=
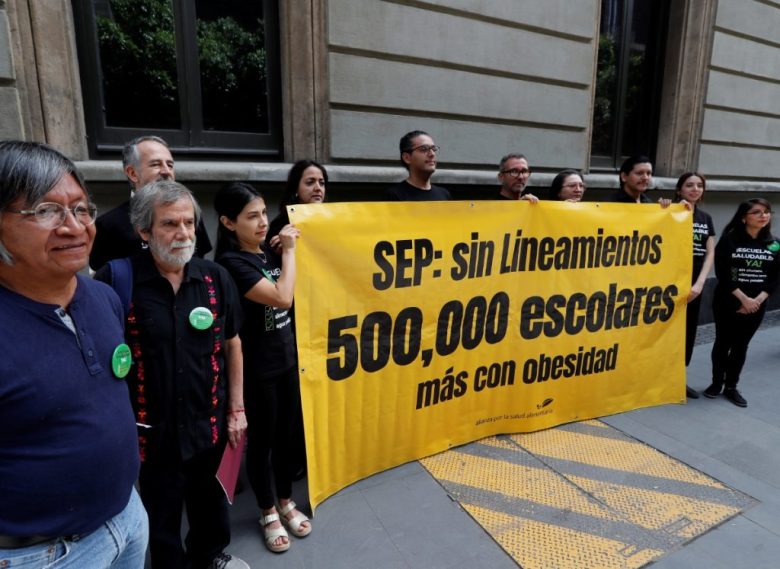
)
(260, 254)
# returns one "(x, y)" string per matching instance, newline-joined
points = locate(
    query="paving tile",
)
(431, 530)
(738, 543)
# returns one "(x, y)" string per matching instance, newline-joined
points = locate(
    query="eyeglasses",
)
(517, 173)
(426, 148)
(575, 185)
(758, 212)
(50, 215)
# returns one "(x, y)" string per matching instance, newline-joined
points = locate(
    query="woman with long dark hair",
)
(305, 184)
(268, 342)
(690, 188)
(746, 264)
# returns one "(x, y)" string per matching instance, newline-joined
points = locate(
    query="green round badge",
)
(774, 246)
(201, 318)
(121, 360)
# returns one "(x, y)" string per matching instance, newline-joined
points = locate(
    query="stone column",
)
(45, 64)
(688, 50)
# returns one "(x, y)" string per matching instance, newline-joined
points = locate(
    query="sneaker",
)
(227, 561)
(712, 391)
(691, 393)
(735, 397)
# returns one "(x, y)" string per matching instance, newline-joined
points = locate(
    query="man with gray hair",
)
(144, 160)
(187, 382)
(514, 173)
(68, 450)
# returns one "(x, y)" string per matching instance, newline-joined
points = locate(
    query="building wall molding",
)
(109, 171)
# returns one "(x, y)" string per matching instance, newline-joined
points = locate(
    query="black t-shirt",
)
(750, 265)
(267, 335)
(620, 196)
(703, 229)
(525, 192)
(405, 192)
(115, 238)
(183, 376)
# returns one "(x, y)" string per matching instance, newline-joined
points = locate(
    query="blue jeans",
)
(120, 543)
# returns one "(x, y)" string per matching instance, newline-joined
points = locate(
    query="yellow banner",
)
(423, 326)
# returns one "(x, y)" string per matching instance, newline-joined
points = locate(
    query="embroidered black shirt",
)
(178, 381)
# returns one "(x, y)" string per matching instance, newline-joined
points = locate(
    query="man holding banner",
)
(514, 173)
(636, 173)
(418, 155)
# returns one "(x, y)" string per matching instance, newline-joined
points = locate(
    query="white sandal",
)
(294, 524)
(272, 534)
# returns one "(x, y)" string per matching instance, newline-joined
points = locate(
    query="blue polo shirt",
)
(68, 443)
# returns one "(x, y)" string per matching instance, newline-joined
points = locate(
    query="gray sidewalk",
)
(403, 518)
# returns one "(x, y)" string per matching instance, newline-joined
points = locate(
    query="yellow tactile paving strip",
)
(582, 496)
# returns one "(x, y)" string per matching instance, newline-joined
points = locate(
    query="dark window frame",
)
(651, 93)
(105, 141)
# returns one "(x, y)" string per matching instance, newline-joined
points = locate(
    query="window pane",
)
(605, 105)
(636, 106)
(137, 53)
(628, 79)
(231, 47)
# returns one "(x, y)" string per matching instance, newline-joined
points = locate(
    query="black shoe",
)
(712, 391)
(735, 397)
(691, 393)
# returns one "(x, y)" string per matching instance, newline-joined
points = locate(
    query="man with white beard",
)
(186, 384)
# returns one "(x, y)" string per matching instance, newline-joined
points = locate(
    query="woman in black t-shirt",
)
(746, 264)
(268, 344)
(306, 184)
(691, 187)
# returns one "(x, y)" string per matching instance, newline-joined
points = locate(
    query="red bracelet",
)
(236, 411)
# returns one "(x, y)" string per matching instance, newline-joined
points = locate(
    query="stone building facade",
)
(484, 77)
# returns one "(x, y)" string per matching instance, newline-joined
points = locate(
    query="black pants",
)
(166, 485)
(271, 409)
(732, 335)
(691, 325)
(298, 440)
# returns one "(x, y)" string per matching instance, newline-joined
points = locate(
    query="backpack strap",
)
(122, 281)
